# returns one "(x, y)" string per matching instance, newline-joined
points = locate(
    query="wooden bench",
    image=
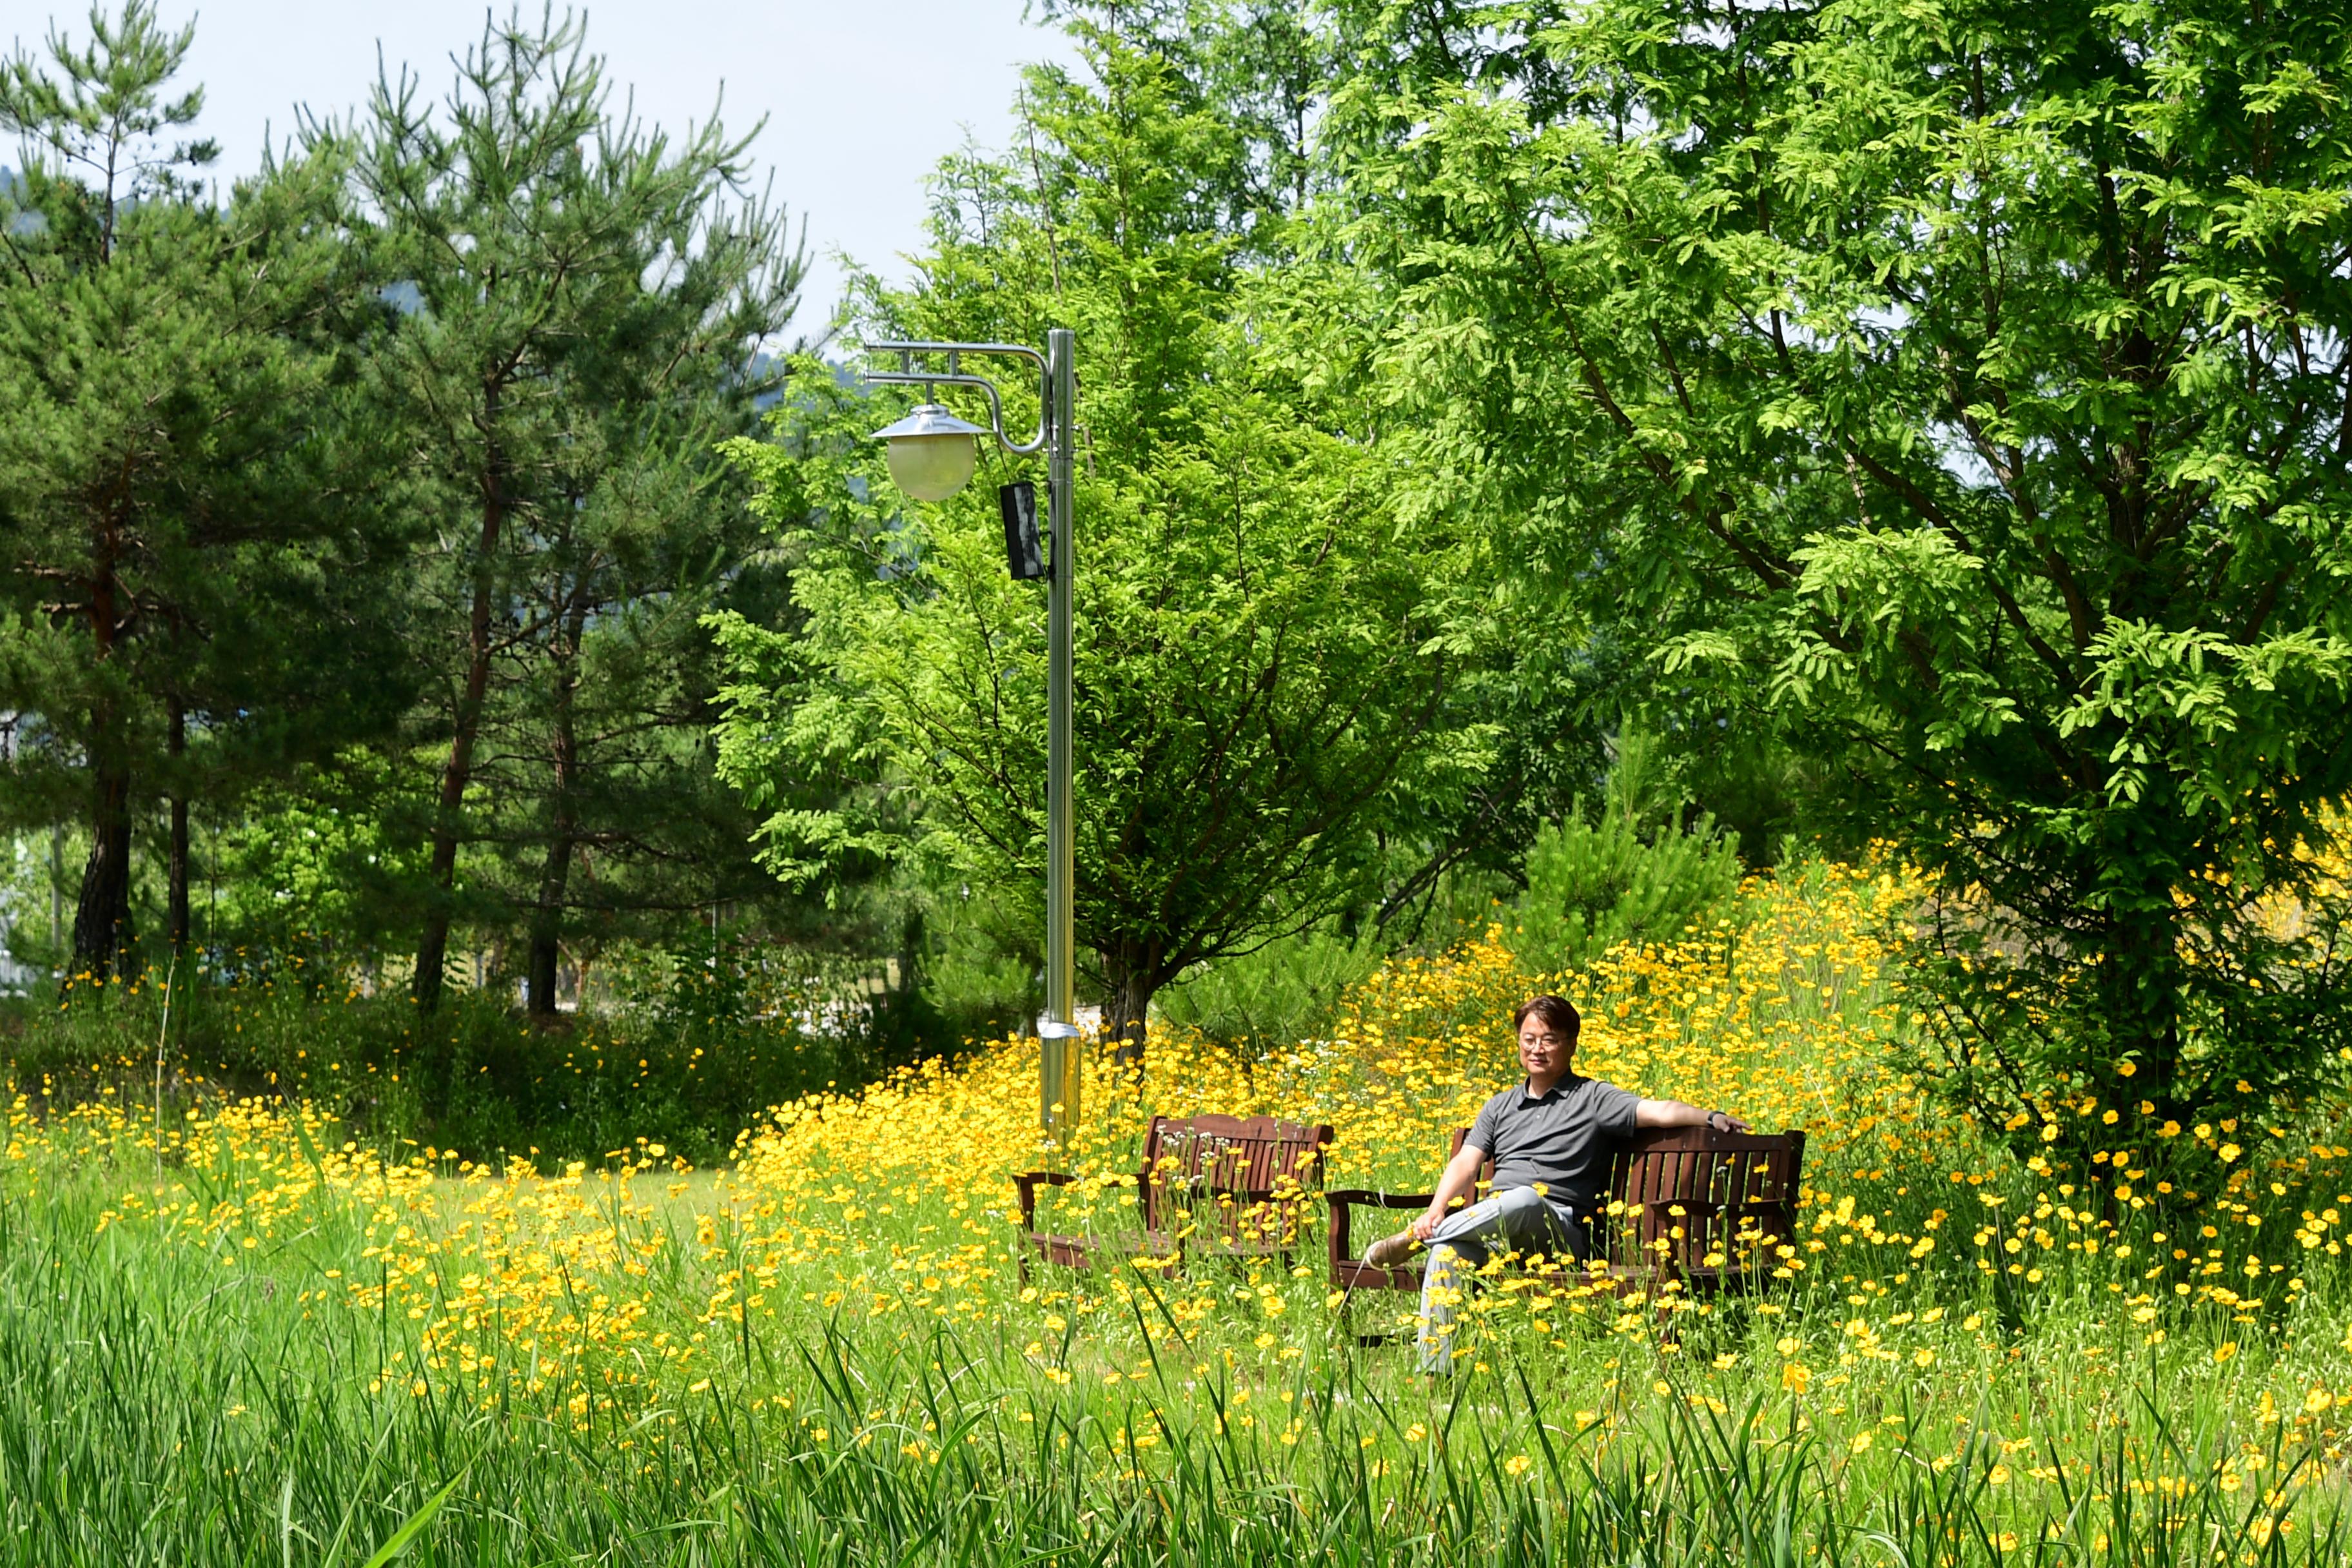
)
(1682, 1203)
(1226, 1185)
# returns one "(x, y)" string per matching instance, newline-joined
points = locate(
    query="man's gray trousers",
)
(1520, 1220)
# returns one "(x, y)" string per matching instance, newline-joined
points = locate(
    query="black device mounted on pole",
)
(1024, 557)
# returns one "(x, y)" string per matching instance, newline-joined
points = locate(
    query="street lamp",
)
(931, 452)
(930, 455)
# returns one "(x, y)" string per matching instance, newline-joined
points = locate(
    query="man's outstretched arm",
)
(1682, 1113)
(1460, 1180)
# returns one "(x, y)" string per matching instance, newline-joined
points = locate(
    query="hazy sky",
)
(860, 100)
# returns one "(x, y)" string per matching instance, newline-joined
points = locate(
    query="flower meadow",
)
(236, 1331)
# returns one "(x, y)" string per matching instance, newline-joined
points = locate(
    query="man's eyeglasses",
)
(1554, 1041)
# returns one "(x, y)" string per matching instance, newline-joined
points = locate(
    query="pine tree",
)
(170, 484)
(588, 298)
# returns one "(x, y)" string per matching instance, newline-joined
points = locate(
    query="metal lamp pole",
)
(933, 437)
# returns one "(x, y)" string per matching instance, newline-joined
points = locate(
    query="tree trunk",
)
(102, 913)
(57, 891)
(179, 868)
(2140, 987)
(102, 916)
(563, 830)
(547, 920)
(458, 770)
(546, 948)
(2142, 983)
(1134, 979)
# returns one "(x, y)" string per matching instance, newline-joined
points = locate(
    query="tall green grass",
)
(163, 1403)
(165, 1399)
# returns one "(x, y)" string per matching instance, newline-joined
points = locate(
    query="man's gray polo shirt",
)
(1560, 1138)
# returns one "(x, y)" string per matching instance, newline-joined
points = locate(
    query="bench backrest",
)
(1197, 1163)
(1725, 1186)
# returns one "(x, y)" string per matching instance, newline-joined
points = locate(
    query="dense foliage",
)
(185, 565)
(359, 525)
(1814, 529)
(587, 299)
(1966, 387)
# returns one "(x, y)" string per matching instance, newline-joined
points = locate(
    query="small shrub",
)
(1592, 886)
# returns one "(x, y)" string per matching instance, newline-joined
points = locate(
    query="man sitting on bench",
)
(1548, 1138)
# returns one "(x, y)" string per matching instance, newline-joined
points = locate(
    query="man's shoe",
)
(1392, 1251)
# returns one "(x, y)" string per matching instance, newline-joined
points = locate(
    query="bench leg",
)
(1373, 1341)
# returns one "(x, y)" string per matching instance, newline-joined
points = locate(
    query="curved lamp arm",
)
(911, 377)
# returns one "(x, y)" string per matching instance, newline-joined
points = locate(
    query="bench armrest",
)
(1345, 1197)
(1027, 1184)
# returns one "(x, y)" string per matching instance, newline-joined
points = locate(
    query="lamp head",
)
(931, 452)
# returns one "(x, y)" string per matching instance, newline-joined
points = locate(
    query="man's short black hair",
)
(1557, 1013)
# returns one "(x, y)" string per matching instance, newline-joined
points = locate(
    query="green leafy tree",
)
(1262, 70)
(1262, 654)
(1970, 383)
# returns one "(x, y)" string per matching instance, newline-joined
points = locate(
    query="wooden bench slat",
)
(1211, 1182)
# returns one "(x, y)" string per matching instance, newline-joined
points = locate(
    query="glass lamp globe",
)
(931, 452)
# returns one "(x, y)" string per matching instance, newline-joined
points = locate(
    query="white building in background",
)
(20, 869)
(16, 979)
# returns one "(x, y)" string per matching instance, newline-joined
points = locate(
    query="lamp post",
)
(931, 456)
